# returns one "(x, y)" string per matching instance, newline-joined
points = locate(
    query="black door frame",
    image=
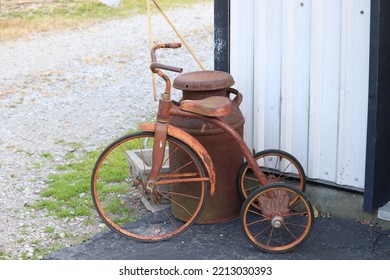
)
(377, 184)
(377, 181)
(222, 35)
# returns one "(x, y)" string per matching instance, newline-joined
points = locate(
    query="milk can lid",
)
(203, 81)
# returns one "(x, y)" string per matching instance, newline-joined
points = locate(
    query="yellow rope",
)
(151, 46)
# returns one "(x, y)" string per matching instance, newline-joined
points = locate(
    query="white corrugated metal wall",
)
(303, 69)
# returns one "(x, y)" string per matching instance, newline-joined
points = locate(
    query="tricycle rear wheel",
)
(277, 166)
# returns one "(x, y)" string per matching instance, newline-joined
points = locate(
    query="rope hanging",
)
(177, 33)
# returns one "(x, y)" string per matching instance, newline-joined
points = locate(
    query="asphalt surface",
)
(330, 239)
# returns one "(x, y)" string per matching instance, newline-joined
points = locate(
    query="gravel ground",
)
(87, 86)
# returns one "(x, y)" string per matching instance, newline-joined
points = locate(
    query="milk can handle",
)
(238, 98)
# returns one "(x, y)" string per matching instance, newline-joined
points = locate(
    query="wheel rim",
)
(127, 206)
(272, 226)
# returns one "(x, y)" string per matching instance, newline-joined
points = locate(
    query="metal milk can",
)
(227, 157)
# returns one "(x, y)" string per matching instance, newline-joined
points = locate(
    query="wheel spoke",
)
(270, 236)
(119, 167)
(179, 204)
(260, 232)
(251, 178)
(289, 231)
(167, 215)
(284, 171)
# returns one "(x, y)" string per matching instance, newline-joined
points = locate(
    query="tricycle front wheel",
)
(272, 223)
(123, 200)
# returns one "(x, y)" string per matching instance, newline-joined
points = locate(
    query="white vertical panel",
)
(260, 82)
(295, 78)
(353, 92)
(267, 86)
(309, 75)
(324, 89)
(242, 57)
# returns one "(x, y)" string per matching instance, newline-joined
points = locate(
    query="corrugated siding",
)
(303, 69)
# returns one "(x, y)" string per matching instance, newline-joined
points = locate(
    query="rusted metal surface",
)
(238, 96)
(203, 81)
(194, 144)
(158, 149)
(164, 107)
(205, 100)
(214, 106)
(278, 203)
(233, 133)
(155, 67)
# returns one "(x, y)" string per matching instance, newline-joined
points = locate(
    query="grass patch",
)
(72, 145)
(50, 230)
(70, 14)
(4, 255)
(68, 194)
(47, 156)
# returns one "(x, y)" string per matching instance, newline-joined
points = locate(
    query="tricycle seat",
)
(214, 106)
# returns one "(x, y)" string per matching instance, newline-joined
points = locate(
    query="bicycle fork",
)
(160, 139)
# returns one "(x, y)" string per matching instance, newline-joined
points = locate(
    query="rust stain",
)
(194, 144)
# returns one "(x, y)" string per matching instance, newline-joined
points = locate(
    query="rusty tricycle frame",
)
(153, 205)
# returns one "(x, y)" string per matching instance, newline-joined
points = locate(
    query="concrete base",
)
(331, 202)
(384, 212)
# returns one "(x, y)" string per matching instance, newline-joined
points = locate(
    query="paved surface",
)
(331, 239)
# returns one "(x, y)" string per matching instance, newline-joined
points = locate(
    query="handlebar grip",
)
(161, 46)
(156, 65)
(174, 45)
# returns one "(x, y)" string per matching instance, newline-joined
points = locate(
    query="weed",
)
(65, 196)
(70, 156)
(4, 255)
(36, 242)
(72, 145)
(37, 165)
(42, 251)
(29, 154)
(68, 192)
(20, 240)
(47, 156)
(49, 230)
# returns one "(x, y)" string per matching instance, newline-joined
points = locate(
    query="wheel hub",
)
(277, 221)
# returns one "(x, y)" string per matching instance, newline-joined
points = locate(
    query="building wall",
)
(303, 67)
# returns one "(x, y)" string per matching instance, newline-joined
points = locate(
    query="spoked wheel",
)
(125, 204)
(272, 223)
(277, 166)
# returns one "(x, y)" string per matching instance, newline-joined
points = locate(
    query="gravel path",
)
(87, 86)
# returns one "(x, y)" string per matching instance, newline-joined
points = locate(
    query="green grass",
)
(68, 194)
(4, 255)
(72, 13)
(50, 230)
(47, 156)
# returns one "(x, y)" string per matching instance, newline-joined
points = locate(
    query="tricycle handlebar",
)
(161, 46)
(155, 67)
